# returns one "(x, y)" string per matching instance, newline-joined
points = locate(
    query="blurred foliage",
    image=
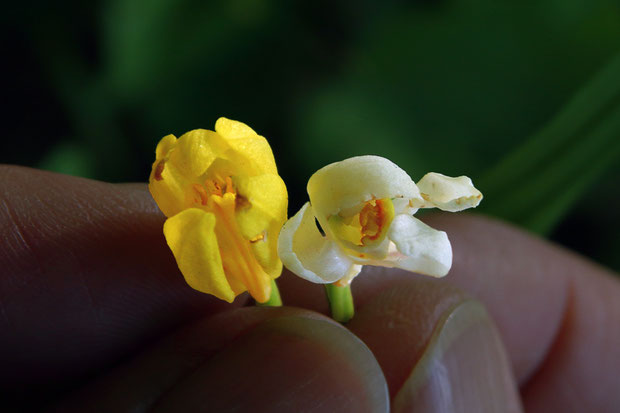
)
(514, 93)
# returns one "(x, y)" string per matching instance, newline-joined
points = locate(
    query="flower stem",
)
(340, 302)
(274, 298)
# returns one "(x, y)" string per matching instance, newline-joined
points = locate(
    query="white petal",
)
(305, 252)
(448, 194)
(368, 253)
(349, 183)
(353, 272)
(419, 248)
(405, 206)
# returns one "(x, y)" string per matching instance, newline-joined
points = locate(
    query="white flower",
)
(365, 206)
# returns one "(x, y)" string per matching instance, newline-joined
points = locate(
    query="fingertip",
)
(438, 348)
(396, 323)
(286, 364)
(248, 359)
(521, 279)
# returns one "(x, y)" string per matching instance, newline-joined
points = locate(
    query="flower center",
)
(368, 226)
(242, 270)
(375, 218)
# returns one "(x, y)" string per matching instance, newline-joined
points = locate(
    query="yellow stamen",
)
(238, 259)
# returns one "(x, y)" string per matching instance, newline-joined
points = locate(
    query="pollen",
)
(259, 237)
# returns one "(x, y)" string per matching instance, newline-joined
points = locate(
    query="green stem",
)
(340, 302)
(274, 298)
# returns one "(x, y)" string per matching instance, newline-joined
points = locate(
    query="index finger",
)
(85, 277)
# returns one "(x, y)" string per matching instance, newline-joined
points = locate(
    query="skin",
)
(92, 305)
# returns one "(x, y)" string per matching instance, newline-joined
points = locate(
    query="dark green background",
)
(451, 86)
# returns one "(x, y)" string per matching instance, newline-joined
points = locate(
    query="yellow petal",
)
(232, 129)
(164, 146)
(448, 194)
(253, 148)
(179, 164)
(260, 199)
(196, 150)
(169, 193)
(308, 254)
(261, 211)
(348, 231)
(191, 237)
(349, 183)
(167, 183)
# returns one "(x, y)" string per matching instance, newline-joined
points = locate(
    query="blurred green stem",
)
(537, 183)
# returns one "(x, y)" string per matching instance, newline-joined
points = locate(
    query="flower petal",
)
(255, 149)
(349, 183)
(419, 248)
(191, 237)
(448, 194)
(196, 150)
(304, 251)
(261, 211)
(167, 183)
(164, 146)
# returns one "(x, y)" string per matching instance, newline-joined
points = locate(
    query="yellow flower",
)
(365, 205)
(225, 204)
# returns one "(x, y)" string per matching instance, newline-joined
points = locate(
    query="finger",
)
(85, 277)
(440, 350)
(580, 372)
(525, 283)
(521, 279)
(556, 310)
(251, 359)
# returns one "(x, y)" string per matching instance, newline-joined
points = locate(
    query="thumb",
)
(440, 350)
(464, 368)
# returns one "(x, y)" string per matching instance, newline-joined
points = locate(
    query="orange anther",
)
(158, 170)
(204, 197)
(229, 185)
(257, 238)
(373, 218)
(213, 187)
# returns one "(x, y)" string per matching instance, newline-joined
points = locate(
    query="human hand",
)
(95, 316)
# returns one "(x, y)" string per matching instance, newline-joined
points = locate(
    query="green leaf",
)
(538, 183)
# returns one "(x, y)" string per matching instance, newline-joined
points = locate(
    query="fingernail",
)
(286, 364)
(463, 369)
